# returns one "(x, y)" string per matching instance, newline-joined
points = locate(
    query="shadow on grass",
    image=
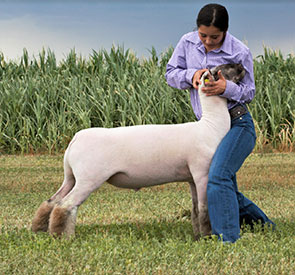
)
(181, 230)
(158, 231)
(177, 230)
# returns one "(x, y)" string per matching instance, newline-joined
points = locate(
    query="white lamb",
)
(141, 156)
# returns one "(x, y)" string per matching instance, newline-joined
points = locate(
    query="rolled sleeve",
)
(244, 91)
(178, 75)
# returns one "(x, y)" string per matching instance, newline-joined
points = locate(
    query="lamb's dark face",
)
(232, 72)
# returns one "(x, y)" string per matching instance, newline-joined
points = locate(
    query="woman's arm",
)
(244, 91)
(177, 73)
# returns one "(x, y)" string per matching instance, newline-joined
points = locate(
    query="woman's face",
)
(211, 37)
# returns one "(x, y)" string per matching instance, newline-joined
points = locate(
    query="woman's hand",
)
(215, 87)
(197, 78)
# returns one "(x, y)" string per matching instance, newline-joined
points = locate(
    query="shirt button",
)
(241, 118)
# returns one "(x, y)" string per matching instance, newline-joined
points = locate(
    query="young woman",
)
(210, 46)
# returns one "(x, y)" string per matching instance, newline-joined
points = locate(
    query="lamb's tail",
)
(69, 178)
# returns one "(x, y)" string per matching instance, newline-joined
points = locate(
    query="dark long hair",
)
(213, 15)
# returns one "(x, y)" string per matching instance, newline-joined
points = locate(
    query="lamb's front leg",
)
(200, 177)
(204, 221)
(195, 211)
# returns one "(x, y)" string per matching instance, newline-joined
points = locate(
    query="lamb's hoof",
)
(197, 237)
(41, 219)
(201, 236)
(58, 221)
(209, 237)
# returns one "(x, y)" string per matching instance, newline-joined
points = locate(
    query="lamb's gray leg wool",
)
(62, 221)
(41, 219)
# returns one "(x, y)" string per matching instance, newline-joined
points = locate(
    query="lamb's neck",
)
(215, 112)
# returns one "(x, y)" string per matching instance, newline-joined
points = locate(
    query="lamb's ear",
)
(214, 74)
(241, 71)
(236, 79)
(240, 68)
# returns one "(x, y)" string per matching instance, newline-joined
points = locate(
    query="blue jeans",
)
(226, 205)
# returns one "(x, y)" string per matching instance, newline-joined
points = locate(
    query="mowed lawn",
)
(147, 232)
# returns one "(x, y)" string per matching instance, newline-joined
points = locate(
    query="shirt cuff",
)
(230, 89)
(189, 75)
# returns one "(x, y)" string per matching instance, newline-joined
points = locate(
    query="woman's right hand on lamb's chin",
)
(197, 78)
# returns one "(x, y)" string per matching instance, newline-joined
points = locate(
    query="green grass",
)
(44, 103)
(125, 232)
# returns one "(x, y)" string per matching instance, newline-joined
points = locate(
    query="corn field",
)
(43, 103)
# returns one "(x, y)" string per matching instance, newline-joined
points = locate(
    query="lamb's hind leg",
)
(41, 219)
(63, 217)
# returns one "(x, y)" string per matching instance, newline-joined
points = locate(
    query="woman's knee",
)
(219, 179)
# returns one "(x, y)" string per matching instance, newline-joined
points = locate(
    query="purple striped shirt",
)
(190, 56)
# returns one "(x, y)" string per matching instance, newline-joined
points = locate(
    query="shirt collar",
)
(226, 46)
